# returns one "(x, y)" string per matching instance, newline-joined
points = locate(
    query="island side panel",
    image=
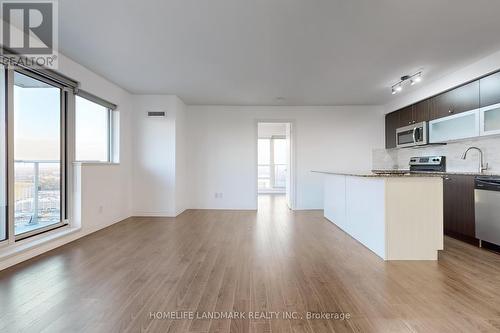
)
(356, 205)
(365, 211)
(334, 200)
(414, 211)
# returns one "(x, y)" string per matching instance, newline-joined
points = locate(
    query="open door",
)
(288, 138)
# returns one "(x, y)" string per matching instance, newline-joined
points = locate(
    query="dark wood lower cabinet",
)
(459, 213)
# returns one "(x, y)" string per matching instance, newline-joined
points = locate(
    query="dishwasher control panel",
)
(490, 183)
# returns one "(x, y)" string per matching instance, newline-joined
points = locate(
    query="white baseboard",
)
(154, 214)
(223, 208)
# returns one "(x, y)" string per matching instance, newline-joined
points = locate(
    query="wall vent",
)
(161, 114)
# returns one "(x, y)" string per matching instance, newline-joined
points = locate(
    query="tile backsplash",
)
(399, 158)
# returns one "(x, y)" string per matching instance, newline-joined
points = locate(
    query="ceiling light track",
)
(406, 80)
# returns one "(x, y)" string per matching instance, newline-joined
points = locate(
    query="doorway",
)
(275, 160)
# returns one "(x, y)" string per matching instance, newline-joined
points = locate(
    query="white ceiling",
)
(249, 52)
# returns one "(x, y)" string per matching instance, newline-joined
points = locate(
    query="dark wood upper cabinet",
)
(482, 92)
(489, 90)
(421, 111)
(391, 124)
(406, 116)
(459, 210)
(458, 100)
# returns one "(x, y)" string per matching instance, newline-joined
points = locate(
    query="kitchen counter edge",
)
(381, 175)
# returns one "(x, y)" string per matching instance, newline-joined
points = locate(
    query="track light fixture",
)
(405, 80)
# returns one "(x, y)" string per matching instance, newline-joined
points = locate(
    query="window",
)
(39, 155)
(272, 164)
(280, 163)
(93, 131)
(33, 151)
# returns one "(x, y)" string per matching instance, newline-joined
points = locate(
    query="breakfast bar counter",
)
(397, 216)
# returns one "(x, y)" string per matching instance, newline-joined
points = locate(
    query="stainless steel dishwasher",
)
(487, 198)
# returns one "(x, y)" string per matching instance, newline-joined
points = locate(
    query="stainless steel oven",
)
(413, 135)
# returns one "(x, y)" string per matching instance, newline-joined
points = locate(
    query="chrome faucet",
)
(482, 166)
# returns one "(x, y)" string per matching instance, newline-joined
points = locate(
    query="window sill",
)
(12, 249)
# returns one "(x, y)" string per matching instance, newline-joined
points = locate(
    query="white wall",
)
(222, 149)
(159, 156)
(181, 180)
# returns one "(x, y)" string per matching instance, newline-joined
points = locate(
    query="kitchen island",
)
(397, 216)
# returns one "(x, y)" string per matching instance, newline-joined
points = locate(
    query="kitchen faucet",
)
(482, 167)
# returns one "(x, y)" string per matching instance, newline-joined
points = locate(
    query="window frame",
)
(110, 125)
(5, 91)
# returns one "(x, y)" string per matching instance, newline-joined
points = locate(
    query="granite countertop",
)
(462, 173)
(404, 173)
(385, 174)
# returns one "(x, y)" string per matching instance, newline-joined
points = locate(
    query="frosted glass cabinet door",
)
(460, 126)
(490, 120)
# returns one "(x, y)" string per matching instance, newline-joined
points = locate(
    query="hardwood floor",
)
(119, 278)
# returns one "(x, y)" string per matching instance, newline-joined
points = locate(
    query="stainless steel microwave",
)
(413, 135)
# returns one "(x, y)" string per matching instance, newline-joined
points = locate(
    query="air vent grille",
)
(157, 114)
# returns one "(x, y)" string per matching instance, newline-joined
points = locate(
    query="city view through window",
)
(271, 165)
(37, 151)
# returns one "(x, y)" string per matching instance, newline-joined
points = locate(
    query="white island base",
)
(397, 217)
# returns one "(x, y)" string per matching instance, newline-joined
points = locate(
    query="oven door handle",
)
(415, 135)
